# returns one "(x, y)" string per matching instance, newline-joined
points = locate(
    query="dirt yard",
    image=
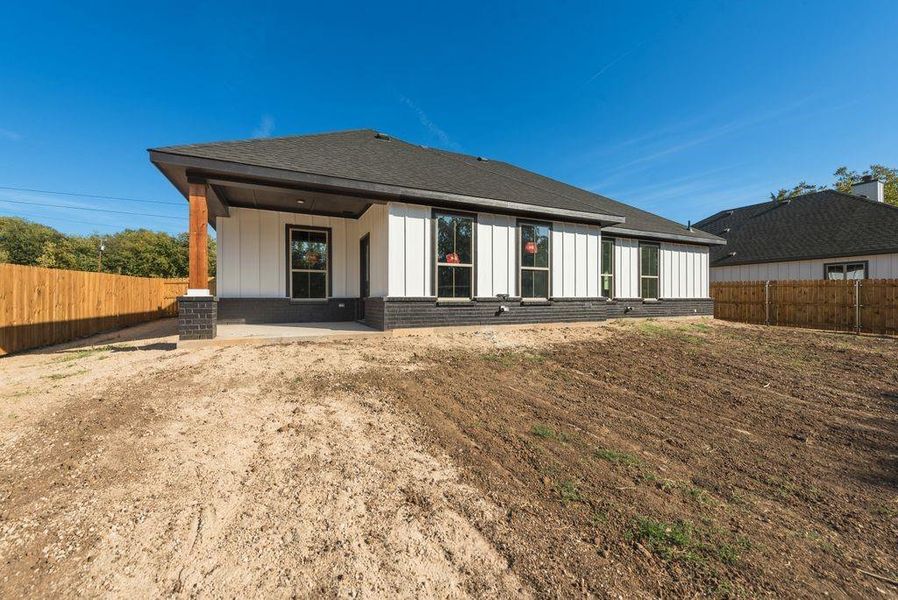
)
(637, 459)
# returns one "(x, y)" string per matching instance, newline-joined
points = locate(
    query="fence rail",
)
(863, 306)
(41, 306)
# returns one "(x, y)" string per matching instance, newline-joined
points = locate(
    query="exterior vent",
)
(733, 253)
(382, 136)
(727, 230)
(481, 159)
(729, 212)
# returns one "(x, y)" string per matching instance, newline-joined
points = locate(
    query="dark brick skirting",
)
(282, 310)
(397, 313)
(374, 313)
(197, 317)
(678, 307)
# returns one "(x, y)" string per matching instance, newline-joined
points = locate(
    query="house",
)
(358, 225)
(821, 235)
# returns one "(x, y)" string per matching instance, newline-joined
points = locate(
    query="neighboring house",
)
(821, 235)
(357, 225)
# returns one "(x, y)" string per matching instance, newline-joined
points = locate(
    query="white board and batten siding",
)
(683, 270)
(880, 266)
(252, 252)
(252, 260)
(575, 255)
(575, 260)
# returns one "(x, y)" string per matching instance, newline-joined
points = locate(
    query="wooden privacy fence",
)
(863, 306)
(41, 306)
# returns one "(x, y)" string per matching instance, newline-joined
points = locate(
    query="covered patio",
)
(296, 251)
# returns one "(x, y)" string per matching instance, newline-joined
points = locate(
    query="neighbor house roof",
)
(825, 224)
(367, 156)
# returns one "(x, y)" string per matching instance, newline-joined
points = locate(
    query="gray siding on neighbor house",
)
(879, 266)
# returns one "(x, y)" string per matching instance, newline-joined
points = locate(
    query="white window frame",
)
(844, 267)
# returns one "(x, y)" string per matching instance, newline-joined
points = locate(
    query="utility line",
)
(18, 213)
(102, 210)
(15, 189)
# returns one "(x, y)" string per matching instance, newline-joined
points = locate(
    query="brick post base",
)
(197, 317)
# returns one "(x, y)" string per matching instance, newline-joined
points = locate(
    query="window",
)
(309, 251)
(842, 271)
(534, 240)
(454, 255)
(648, 270)
(607, 268)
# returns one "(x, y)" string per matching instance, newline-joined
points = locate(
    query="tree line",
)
(137, 252)
(844, 177)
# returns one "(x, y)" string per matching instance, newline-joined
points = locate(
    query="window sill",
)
(309, 300)
(536, 302)
(453, 301)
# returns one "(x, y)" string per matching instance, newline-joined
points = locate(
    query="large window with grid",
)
(534, 252)
(607, 268)
(454, 255)
(649, 269)
(309, 258)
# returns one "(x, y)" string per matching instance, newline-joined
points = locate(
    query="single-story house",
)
(359, 225)
(820, 235)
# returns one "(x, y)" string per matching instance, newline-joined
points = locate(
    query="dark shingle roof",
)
(361, 155)
(817, 225)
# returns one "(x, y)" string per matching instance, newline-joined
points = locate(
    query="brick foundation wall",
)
(678, 307)
(282, 310)
(197, 317)
(398, 313)
(374, 313)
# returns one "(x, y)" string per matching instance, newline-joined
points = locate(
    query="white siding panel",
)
(270, 280)
(626, 259)
(250, 259)
(253, 258)
(593, 243)
(486, 257)
(581, 274)
(684, 271)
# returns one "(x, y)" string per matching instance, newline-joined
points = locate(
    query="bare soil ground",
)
(638, 459)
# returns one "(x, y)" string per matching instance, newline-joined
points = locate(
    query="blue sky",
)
(678, 108)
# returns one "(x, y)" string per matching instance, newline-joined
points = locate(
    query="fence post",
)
(857, 305)
(767, 303)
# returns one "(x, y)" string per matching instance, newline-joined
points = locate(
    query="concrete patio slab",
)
(247, 333)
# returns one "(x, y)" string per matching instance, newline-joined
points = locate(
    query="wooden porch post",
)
(198, 255)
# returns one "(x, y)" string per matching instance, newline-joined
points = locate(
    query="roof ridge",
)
(268, 138)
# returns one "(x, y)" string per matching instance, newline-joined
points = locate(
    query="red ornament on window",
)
(452, 258)
(530, 247)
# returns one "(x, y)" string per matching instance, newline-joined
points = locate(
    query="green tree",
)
(22, 242)
(803, 187)
(844, 177)
(211, 250)
(145, 253)
(889, 177)
(75, 252)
